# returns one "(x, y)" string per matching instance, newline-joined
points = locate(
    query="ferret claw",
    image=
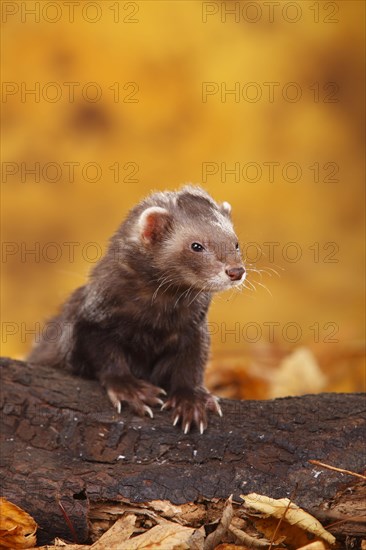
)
(163, 406)
(114, 400)
(175, 421)
(217, 406)
(186, 428)
(163, 392)
(202, 429)
(160, 402)
(148, 411)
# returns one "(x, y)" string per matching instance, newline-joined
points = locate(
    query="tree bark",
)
(62, 442)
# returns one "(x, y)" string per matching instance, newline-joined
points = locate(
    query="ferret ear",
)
(226, 208)
(154, 223)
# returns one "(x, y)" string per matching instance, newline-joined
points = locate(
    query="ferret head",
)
(191, 241)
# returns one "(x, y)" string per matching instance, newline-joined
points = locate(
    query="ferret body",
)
(140, 323)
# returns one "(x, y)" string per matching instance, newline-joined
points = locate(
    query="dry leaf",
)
(197, 539)
(117, 535)
(279, 531)
(166, 507)
(168, 535)
(297, 374)
(248, 540)
(17, 528)
(318, 545)
(276, 508)
(63, 546)
(216, 537)
(60, 544)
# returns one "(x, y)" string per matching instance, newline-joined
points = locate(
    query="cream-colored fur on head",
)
(226, 207)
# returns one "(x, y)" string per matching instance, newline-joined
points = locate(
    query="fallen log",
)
(63, 446)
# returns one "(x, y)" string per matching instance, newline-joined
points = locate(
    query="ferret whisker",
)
(172, 282)
(164, 282)
(265, 287)
(187, 291)
(274, 271)
(240, 287)
(248, 288)
(169, 286)
(252, 270)
(198, 293)
(162, 277)
(249, 283)
(267, 270)
(190, 291)
(179, 297)
(153, 298)
(195, 297)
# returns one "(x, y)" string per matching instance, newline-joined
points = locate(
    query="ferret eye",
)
(197, 247)
(237, 246)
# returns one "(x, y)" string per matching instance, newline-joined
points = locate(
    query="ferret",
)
(139, 325)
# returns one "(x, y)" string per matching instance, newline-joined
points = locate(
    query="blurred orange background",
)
(259, 102)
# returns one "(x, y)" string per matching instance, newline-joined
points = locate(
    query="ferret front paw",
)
(191, 406)
(138, 394)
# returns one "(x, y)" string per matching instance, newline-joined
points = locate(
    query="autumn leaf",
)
(17, 528)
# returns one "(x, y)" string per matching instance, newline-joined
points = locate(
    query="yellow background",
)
(164, 53)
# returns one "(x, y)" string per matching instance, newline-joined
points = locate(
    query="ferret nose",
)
(235, 273)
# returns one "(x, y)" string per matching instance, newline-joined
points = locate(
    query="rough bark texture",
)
(62, 441)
